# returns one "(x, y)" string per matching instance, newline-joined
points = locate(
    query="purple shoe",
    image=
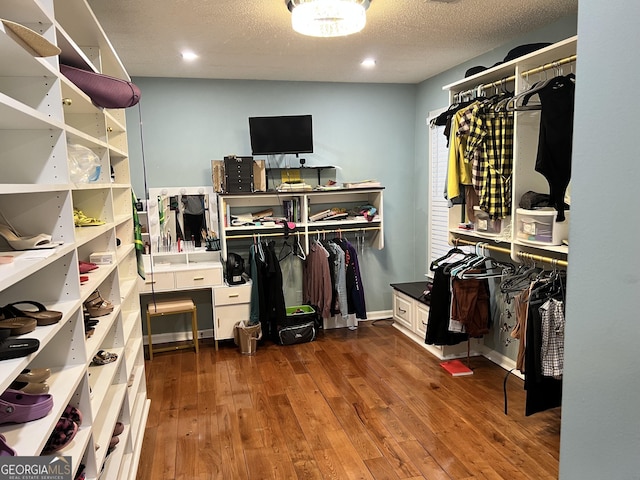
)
(19, 407)
(6, 450)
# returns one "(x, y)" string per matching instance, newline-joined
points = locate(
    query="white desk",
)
(200, 270)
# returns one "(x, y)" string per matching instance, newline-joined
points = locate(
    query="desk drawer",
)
(402, 310)
(160, 281)
(232, 295)
(198, 278)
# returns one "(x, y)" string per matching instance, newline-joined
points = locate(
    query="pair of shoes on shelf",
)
(82, 220)
(117, 430)
(32, 381)
(98, 306)
(64, 431)
(41, 314)
(19, 321)
(16, 347)
(17, 326)
(89, 323)
(20, 407)
(33, 242)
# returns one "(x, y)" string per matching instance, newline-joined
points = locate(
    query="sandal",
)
(18, 326)
(16, 347)
(81, 220)
(19, 407)
(34, 242)
(62, 435)
(42, 315)
(98, 306)
(103, 357)
(72, 413)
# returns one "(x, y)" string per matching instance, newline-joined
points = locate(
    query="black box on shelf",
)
(238, 173)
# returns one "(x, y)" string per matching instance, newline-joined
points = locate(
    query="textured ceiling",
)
(411, 40)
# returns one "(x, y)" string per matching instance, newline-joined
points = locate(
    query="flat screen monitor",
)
(283, 134)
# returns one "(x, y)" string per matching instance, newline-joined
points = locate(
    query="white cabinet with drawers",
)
(411, 316)
(232, 305)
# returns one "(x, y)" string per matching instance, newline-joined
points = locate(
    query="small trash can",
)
(247, 336)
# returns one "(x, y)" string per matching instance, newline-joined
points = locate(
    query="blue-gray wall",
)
(365, 130)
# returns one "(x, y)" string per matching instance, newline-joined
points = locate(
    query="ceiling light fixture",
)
(368, 63)
(188, 56)
(328, 18)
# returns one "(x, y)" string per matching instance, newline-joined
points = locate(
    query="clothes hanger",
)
(297, 248)
(436, 263)
(286, 250)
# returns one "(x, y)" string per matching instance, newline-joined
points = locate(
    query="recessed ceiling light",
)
(368, 63)
(189, 56)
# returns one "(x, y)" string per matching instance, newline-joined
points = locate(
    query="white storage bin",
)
(484, 225)
(539, 227)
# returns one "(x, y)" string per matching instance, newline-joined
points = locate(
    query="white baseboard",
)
(338, 322)
(477, 348)
(172, 337)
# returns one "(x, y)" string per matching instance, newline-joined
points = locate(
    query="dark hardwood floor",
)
(365, 404)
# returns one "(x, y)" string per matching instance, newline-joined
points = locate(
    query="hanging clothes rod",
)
(523, 255)
(549, 66)
(311, 232)
(511, 78)
(493, 248)
(540, 258)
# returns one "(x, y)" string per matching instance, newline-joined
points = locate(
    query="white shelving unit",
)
(310, 202)
(526, 131)
(40, 112)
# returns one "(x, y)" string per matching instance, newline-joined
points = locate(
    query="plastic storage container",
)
(539, 227)
(484, 225)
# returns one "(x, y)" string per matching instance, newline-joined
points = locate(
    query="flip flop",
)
(42, 315)
(16, 347)
(103, 357)
(18, 326)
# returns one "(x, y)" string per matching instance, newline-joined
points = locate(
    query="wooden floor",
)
(365, 404)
